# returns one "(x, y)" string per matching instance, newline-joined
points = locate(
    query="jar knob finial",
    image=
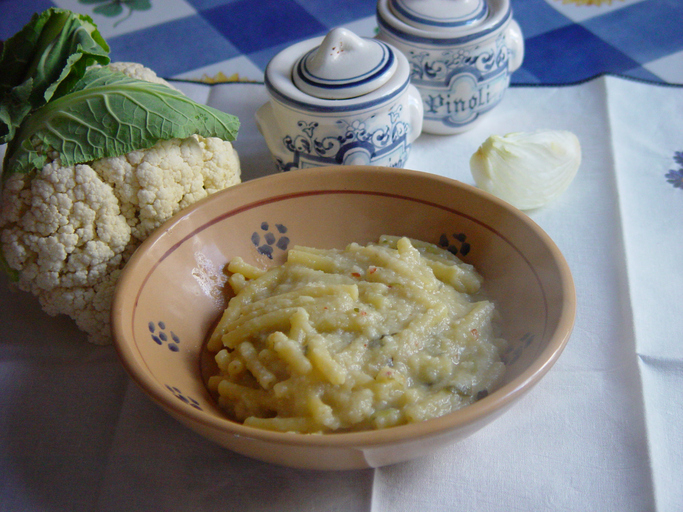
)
(344, 66)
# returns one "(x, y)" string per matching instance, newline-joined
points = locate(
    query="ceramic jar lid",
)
(442, 22)
(339, 73)
(440, 15)
(344, 66)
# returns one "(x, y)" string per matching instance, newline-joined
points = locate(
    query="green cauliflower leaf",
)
(109, 114)
(44, 61)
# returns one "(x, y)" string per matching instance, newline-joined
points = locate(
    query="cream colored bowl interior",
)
(170, 294)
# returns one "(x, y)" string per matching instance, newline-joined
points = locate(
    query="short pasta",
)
(360, 338)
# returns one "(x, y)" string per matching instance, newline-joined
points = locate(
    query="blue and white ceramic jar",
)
(461, 55)
(341, 99)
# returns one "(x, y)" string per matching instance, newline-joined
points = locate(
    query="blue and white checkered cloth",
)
(567, 41)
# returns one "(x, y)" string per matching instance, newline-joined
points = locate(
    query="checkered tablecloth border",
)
(234, 39)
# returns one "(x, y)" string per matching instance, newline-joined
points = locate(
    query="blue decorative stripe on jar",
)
(333, 105)
(382, 67)
(438, 41)
(480, 13)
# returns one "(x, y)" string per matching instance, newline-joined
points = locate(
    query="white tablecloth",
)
(602, 431)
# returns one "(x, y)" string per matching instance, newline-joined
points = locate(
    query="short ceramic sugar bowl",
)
(461, 55)
(341, 99)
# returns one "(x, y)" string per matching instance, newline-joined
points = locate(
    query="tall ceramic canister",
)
(341, 99)
(461, 55)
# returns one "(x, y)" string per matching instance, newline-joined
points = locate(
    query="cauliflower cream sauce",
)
(367, 337)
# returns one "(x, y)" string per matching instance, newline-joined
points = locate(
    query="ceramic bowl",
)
(170, 295)
(461, 55)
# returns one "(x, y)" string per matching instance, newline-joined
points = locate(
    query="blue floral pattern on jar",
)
(457, 86)
(353, 143)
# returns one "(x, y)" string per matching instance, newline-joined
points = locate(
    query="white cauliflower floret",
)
(70, 230)
(136, 70)
(158, 182)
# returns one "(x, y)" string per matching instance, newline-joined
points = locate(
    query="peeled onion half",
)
(527, 170)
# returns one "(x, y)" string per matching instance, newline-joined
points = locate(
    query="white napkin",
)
(602, 431)
(646, 127)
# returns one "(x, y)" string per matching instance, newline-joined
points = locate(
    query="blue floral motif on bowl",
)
(183, 398)
(267, 240)
(514, 351)
(161, 336)
(456, 243)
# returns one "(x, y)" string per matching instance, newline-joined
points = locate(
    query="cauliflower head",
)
(69, 230)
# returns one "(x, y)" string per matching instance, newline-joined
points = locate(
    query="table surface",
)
(603, 428)
(566, 41)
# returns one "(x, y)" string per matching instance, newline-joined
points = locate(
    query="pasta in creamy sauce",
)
(362, 338)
